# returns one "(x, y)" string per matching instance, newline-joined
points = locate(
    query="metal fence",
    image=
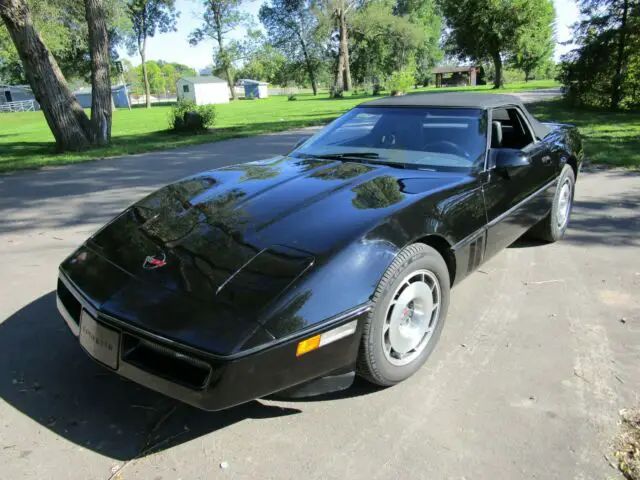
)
(239, 91)
(23, 106)
(272, 91)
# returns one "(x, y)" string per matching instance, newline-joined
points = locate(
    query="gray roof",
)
(15, 87)
(453, 69)
(87, 90)
(203, 79)
(82, 91)
(459, 100)
(253, 82)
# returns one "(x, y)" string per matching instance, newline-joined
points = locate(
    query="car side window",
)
(509, 129)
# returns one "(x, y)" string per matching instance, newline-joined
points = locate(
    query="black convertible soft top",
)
(484, 101)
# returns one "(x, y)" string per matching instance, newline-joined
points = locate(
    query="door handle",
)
(546, 160)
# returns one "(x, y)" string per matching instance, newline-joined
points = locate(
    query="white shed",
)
(255, 89)
(83, 96)
(203, 90)
(118, 99)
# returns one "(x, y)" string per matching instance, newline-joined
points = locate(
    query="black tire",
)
(373, 364)
(549, 229)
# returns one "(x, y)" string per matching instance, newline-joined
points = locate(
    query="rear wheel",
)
(553, 227)
(410, 306)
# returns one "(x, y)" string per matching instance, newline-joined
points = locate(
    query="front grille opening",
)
(70, 302)
(165, 362)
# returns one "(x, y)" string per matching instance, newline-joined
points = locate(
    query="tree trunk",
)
(222, 54)
(343, 75)
(338, 83)
(229, 74)
(101, 100)
(616, 83)
(310, 67)
(65, 117)
(497, 64)
(142, 46)
(347, 64)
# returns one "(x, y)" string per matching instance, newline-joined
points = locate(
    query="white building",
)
(118, 96)
(15, 93)
(255, 88)
(203, 90)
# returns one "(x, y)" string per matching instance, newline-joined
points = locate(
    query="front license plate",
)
(101, 342)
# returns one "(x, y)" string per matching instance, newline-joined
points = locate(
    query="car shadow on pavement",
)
(47, 377)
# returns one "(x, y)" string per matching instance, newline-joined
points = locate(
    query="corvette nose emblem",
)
(155, 261)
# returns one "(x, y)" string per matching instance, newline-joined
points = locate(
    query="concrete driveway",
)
(540, 351)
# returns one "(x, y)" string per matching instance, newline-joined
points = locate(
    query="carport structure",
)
(471, 72)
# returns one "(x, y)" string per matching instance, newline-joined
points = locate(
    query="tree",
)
(480, 29)
(425, 14)
(101, 101)
(70, 126)
(220, 18)
(385, 41)
(339, 13)
(63, 28)
(535, 49)
(290, 26)
(602, 71)
(267, 64)
(148, 17)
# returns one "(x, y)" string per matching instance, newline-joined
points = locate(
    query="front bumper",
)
(213, 382)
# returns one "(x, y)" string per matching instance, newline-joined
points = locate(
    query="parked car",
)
(298, 272)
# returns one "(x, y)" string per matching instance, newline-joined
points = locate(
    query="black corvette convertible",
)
(296, 273)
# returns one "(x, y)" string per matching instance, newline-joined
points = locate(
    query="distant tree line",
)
(604, 69)
(336, 44)
(161, 77)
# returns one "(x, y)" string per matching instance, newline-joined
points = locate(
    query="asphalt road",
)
(540, 351)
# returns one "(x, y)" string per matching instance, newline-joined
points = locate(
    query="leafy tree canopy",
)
(604, 70)
(63, 28)
(493, 29)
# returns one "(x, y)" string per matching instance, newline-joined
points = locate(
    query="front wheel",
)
(553, 227)
(410, 306)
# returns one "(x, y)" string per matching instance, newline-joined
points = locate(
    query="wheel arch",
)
(572, 161)
(443, 247)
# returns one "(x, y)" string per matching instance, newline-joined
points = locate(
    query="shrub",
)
(186, 116)
(400, 82)
(208, 114)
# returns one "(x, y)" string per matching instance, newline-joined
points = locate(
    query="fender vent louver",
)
(476, 252)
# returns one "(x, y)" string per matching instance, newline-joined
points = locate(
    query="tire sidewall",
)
(427, 259)
(558, 232)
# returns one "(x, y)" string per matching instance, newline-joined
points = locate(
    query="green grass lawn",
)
(610, 138)
(26, 142)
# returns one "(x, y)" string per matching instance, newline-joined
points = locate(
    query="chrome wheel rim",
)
(564, 204)
(411, 317)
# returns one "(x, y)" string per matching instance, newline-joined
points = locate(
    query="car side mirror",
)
(507, 161)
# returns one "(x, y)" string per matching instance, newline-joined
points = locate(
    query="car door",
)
(515, 200)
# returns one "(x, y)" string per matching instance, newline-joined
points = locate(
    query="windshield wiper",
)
(361, 157)
(350, 155)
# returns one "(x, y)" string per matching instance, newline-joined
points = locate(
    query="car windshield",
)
(411, 137)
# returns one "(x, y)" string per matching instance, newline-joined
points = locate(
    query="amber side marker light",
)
(313, 343)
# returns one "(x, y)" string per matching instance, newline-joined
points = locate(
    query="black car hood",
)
(194, 235)
(230, 241)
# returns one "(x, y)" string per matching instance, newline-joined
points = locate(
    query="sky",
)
(174, 47)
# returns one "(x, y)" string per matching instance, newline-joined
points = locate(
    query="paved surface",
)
(533, 366)
(539, 95)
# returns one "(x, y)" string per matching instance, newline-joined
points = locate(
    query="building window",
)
(185, 89)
